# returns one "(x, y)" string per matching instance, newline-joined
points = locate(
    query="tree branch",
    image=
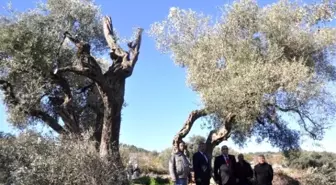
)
(134, 48)
(65, 86)
(49, 120)
(122, 60)
(110, 38)
(66, 113)
(85, 88)
(193, 116)
(302, 116)
(215, 137)
(86, 66)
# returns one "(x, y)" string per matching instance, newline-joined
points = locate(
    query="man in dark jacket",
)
(263, 172)
(201, 165)
(224, 169)
(179, 166)
(244, 172)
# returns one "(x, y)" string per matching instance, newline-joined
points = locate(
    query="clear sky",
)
(157, 96)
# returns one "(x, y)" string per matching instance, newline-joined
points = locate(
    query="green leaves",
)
(30, 42)
(252, 54)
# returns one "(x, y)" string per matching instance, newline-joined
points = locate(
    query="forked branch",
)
(193, 116)
(216, 136)
(123, 61)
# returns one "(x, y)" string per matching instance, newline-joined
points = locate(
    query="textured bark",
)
(214, 138)
(113, 99)
(217, 136)
(111, 85)
(193, 116)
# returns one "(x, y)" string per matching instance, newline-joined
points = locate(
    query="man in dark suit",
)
(244, 172)
(224, 168)
(201, 165)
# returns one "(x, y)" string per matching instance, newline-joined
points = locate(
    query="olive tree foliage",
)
(50, 76)
(254, 65)
(30, 46)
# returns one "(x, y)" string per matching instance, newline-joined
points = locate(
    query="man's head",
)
(240, 157)
(225, 150)
(181, 146)
(261, 159)
(201, 147)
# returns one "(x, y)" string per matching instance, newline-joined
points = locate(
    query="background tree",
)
(253, 66)
(63, 85)
(193, 143)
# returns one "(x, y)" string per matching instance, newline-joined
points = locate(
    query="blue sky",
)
(157, 96)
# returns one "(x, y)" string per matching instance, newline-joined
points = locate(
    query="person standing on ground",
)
(224, 169)
(244, 172)
(201, 166)
(263, 172)
(179, 166)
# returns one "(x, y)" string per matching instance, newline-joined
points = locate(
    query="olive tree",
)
(253, 66)
(50, 76)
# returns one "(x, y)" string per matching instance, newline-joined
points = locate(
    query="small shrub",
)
(306, 160)
(282, 178)
(325, 175)
(31, 159)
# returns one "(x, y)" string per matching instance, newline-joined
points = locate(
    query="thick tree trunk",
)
(113, 99)
(111, 84)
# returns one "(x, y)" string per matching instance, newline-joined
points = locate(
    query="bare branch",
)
(122, 61)
(49, 120)
(69, 120)
(302, 116)
(193, 116)
(134, 48)
(110, 38)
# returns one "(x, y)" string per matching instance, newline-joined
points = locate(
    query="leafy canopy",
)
(30, 47)
(256, 62)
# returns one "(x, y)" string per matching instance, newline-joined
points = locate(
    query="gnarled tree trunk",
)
(110, 85)
(215, 136)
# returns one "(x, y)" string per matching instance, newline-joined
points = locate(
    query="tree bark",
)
(214, 138)
(113, 99)
(111, 84)
(193, 116)
(217, 136)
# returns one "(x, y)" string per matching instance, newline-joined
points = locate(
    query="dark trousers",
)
(244, 182)
(203, 182)
(232, 181)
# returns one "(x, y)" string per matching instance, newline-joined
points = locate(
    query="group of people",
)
(226, 171)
